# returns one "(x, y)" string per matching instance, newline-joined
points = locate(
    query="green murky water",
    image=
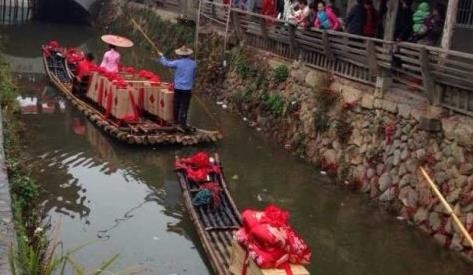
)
(126, 200)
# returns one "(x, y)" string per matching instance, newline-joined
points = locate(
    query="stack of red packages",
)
(270, 241)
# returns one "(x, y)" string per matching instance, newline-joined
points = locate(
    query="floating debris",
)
(235, 177)
(224, 106)
(245, 119)
(322, 172)
(219, 102)
(259, 198)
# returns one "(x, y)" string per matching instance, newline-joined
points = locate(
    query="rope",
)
(199, 101)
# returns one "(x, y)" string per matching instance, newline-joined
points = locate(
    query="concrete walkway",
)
(7, 230)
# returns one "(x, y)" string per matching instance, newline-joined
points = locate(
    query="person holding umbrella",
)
(184, 73)
(111, 58)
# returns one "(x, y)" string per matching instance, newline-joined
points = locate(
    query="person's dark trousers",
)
(182, 100)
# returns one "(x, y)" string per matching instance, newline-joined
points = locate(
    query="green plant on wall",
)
(275, 104)
(281, 73)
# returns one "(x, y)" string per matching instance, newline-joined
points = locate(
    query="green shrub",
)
(275, 104)
(281, 73)
(321, 120)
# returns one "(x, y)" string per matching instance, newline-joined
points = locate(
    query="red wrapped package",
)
(299, 251)
(266, 235)
(251, 218)
(267, 257)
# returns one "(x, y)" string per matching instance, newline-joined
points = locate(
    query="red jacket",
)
(371, 21)
(334, 22)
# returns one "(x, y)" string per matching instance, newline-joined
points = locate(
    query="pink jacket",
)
(110, 61)
(334, 22)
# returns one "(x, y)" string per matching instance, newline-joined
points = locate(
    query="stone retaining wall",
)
(374, 143)
(7, 231)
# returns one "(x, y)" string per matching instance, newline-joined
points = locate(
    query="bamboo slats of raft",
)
(215, 227)
(146, 132)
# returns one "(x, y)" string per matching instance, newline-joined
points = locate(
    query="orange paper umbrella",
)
(117, 40)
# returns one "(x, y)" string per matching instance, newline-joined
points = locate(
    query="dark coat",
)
(356, 20)
(403, 30)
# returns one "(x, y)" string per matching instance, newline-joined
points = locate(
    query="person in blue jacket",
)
(184, 74)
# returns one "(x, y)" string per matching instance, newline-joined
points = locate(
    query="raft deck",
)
(144, 132)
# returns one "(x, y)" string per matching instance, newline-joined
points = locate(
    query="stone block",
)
(464, 133)
(299, 75)
(389, 106)
(404, 110)
(385, 181)
(316, 79)
(351, 94)
(448, 127)
(367, 101)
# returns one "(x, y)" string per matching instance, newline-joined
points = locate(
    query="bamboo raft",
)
(215, 227)
(144, 132)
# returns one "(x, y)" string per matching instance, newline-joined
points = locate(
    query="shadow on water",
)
(128, 200)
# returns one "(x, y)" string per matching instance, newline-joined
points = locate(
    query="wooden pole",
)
(197, 27)
(448, 207)
(450, 22)
(226, 30)
(390, 23)
(138, 27)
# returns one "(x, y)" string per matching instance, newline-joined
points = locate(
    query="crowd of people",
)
(424, 24)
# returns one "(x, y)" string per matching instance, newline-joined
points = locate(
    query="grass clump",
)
(275, 104)
(281, 73)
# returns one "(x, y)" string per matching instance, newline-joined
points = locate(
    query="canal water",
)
(120, 199)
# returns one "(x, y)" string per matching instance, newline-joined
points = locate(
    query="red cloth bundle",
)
(53, 44)
(146, 74)
(128, 70)
(270, 241)
(197, 167)
(74, 56)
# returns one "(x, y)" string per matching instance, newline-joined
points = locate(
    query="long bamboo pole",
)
(138, 27)
(448, 207)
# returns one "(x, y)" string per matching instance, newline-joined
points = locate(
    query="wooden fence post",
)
(371, 58)
(293, 42)
(326, 43)
(237, 25)
(427, 78)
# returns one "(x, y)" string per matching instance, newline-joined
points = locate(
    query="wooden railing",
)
(445, 77)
